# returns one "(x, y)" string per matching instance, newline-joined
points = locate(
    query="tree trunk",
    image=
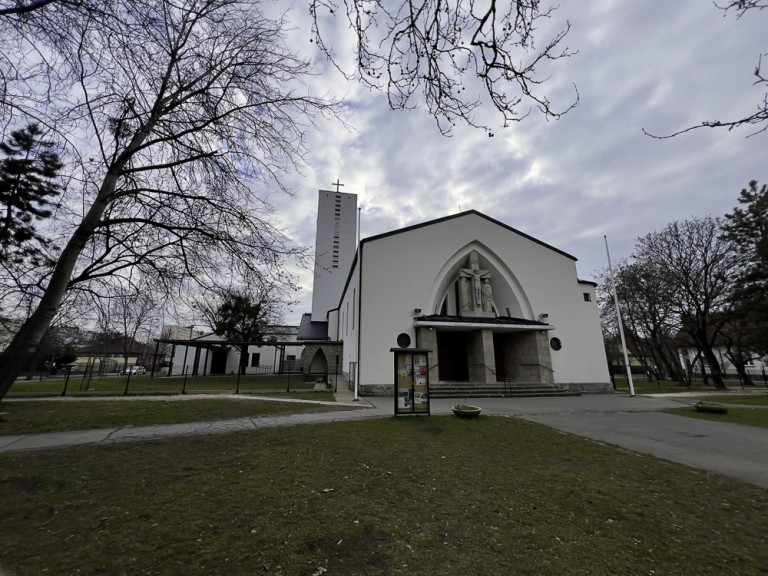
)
(22, 347)
(746, 379)
(738, 358)
(714, 367)
(671, 363)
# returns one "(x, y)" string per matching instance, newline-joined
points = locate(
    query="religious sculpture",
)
(487, 296)
(465, 299)
(477, 300)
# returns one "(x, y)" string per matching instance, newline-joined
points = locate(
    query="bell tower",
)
(335, 244)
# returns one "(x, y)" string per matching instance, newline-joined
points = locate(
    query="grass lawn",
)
(33, 416)
(431, 495)
(644, 386)
(761, 400)
(141, 384)
(747, 416)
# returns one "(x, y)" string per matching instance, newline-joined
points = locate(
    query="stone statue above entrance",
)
(475, 292)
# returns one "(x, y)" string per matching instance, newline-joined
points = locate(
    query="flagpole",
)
(618, 317)
(356, 397)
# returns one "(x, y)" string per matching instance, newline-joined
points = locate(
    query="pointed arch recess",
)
(319, 363)
(508, 293)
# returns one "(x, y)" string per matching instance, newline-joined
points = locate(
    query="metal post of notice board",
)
(411, 378)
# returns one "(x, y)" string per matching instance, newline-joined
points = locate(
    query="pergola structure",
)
(208, 345)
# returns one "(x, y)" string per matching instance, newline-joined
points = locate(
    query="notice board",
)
(411, 381)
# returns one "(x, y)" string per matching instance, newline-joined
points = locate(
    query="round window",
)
(403, 340)
(555, 344)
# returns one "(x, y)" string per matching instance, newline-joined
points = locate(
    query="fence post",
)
(66, 380)
(128, 381)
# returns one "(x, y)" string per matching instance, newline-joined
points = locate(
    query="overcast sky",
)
(657, 65)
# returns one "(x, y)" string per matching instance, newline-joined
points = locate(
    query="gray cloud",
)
(654, 65)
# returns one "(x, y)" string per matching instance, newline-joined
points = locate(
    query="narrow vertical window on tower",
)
(336, 231)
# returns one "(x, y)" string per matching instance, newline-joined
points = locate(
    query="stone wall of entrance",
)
(426, 338)
(526, 357)
(520, 356)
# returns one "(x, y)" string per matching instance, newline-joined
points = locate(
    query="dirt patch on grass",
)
(363, 553)
(432, 429)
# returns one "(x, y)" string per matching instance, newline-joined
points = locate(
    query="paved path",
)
(638, 425)
(632, 423)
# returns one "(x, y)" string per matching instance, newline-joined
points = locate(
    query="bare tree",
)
(430, 51)
(19, 7)
(759, 118)
(699, 267)
(743, 5)
(187, 107)
(650, 312)
(126, 309)
(647, 312)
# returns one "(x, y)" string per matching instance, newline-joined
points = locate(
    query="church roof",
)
(461, 215)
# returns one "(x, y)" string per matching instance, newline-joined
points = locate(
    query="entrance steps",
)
(496, 390)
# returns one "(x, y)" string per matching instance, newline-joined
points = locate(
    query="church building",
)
(492, 305)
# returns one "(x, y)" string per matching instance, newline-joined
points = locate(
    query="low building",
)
(212, 354)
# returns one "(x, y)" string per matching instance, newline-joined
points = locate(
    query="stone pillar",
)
(481, 357)
(427, 339)
(544, 354)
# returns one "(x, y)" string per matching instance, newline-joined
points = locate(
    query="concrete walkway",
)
(637, 424)
(632, 423)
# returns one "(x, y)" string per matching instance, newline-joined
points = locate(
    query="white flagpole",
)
(359, 299)
(618, 317)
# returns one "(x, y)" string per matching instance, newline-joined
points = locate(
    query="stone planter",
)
(710, 407)
(464, 411)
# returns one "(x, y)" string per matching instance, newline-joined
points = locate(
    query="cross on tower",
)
(337, 184)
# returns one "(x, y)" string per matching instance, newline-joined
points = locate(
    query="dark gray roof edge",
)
(498, 320)
(460, 215)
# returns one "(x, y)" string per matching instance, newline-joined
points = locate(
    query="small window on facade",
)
(255, 358)
(587, 297)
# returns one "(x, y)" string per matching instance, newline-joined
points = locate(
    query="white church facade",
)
(490, 303)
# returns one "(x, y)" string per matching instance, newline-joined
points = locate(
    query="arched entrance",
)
(319, 363)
